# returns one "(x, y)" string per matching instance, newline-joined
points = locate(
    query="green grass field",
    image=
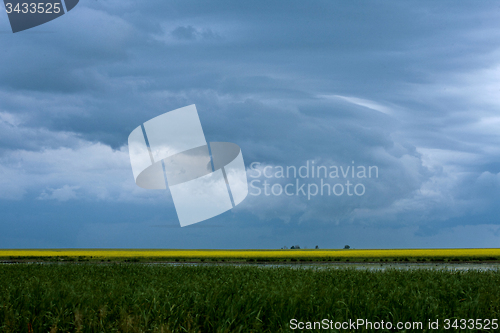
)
(228, 298)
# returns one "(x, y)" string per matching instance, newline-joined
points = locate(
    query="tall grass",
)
(157, 298)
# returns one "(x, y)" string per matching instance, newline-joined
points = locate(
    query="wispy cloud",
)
(362, 102)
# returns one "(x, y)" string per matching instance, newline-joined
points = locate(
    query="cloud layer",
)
(410, 88)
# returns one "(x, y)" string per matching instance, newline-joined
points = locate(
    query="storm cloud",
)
(411, 88)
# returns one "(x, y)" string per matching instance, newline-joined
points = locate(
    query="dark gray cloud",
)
(409, 87)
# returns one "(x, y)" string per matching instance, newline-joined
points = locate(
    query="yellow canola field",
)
(256, 254)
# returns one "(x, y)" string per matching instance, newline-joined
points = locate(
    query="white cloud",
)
(83, 171)
(362, 102)
(64, 193)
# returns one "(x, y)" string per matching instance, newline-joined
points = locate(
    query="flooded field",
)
(231, 297)
(399, 266)
(309, 266)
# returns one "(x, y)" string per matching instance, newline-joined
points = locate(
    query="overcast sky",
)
(410, 87)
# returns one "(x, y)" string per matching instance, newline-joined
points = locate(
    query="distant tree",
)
(285, 247)
(347, 247)
(317, 247)
(297, 247)
(292, 247)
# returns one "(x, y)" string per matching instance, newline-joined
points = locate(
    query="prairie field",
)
(257, 255)
(226, 298)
